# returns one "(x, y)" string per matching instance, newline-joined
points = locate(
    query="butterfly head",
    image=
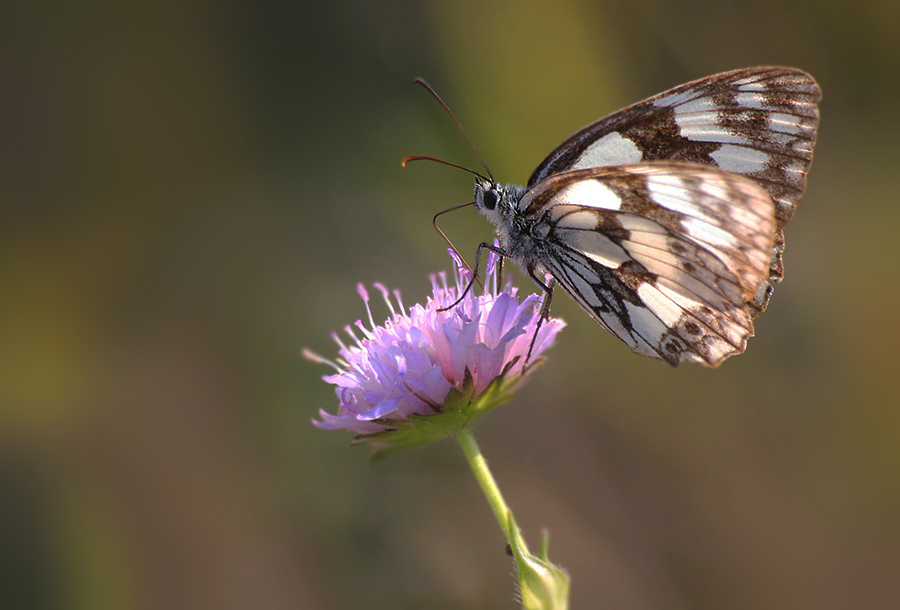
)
(496, 200)
(487, 195)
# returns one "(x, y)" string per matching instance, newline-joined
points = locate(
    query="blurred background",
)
(191, 191)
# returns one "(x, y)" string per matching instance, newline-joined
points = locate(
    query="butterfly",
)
(665, 220)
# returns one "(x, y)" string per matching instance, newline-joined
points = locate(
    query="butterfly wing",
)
(757, 122)
(666, 256)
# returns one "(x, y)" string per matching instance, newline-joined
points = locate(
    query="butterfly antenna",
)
(422, 82)
(436, 160)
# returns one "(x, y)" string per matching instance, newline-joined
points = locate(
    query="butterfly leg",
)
(545, 311)
(481, 247)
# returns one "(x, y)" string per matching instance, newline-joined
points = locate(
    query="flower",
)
(424, 374)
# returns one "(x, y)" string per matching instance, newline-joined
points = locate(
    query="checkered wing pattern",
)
(665, 220)
(757, 122)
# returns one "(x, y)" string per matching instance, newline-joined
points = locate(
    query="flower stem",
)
(488, 485)
(542, 585)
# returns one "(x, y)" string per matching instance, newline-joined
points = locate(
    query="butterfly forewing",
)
(758, 122)
(663, 255)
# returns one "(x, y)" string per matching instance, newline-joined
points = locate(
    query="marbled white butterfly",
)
(665, 220)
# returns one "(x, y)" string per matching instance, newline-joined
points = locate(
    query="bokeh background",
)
(190, 191)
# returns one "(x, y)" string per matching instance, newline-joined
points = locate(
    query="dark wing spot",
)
(636, 268)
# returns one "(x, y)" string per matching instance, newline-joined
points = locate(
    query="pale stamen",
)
(310, 355)
(386, 295)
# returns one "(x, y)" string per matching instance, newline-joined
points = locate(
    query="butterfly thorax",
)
(500, 204)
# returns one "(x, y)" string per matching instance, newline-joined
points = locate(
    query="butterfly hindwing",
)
(757, 122)
(664, 255)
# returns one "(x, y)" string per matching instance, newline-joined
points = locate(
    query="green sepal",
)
(461, 408)
(542, 585)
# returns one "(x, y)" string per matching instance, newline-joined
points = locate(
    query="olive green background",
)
(191, 191)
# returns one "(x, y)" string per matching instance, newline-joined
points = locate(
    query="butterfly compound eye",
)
(489, 199)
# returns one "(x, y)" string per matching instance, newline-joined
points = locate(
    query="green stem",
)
(542, 585)
(488, 485)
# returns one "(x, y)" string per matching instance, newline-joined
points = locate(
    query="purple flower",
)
(424, 374)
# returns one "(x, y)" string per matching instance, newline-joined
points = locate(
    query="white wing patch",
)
(667, 101)
(749, 84)
(701, 105)
(708, 233)
(611, 149)
(662, 306)
(671, 193)
(710, 133)
(588, 293)
(750, 100)
(740, 159)
(590, 193)
(646, 323)
(594, 245)
(637, 223)
(785, 123)
(570, 217)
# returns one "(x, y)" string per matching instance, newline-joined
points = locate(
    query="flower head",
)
(427, 372)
